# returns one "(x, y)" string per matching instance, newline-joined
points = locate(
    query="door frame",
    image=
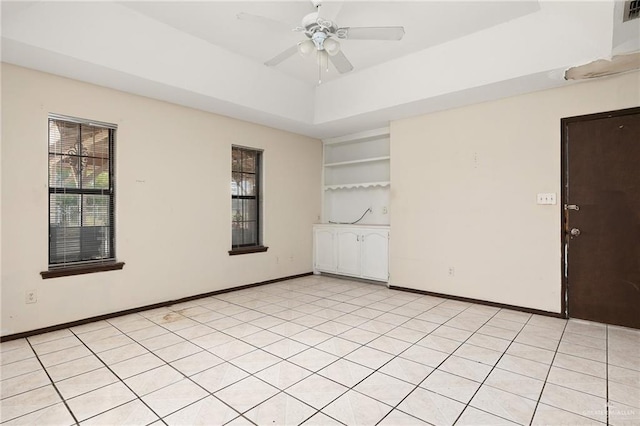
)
(564, 180)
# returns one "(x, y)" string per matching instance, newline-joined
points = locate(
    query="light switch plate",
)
(546, 198)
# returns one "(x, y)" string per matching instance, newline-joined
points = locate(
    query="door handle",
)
(574, 232)
(571, 207)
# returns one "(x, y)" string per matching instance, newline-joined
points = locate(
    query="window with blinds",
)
(245, 197)
(81, 191)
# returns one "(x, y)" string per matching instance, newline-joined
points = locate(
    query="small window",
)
(246, 186)
(631, 10)
(81, 192)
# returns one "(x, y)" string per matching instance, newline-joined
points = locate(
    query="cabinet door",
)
(375, 255)
(349, 252)
(325, 259)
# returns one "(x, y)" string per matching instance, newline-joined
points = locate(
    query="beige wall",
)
(173, 201)
(464, 185)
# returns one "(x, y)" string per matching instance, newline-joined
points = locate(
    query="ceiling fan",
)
(322, 39)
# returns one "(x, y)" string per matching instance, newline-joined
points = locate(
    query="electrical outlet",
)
(385, 210)
(30, 296)
(452, 271)
(546, 198)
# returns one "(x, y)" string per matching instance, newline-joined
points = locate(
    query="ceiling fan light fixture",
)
(331, 46)
(306, 47)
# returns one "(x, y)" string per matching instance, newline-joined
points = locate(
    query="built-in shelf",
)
(357, 185)
(363, 160)
(356, 178)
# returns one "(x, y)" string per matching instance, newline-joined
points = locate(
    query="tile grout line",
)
(577, 372)
(337, 296)
(338, 358)
(64, 401)
(361, 345)
(582, 357)
(544, 383)
(206, 350)
(327, 320)
(21, 374)
(416, 386)
(493, 367)
(119, 380)
(415, 343)
(395, 407)
(229, 361)
(330, 320)
(237, 338)
(242, 306)
(180, 372)
(165, 363)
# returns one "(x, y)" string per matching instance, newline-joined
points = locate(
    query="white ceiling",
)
(199, 54)
(426, 24)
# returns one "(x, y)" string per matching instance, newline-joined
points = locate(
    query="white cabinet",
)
(349, 251)
(375, 255)
(357, 251)
(324, 254)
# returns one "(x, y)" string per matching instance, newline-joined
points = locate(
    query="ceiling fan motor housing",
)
(312, 24)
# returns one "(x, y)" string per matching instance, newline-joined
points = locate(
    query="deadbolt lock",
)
(574, 232)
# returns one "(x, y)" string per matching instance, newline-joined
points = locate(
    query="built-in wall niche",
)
(357, 177)
(364, 174)
(368, 148)
(348, 205)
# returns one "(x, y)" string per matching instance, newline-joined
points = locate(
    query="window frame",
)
(94, 265)
(256, 246)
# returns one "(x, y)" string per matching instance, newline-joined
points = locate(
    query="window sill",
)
(247, 250)
(66, 271)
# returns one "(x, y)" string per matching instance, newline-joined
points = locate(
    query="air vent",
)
(631, 10)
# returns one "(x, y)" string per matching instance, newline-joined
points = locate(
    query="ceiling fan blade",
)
(282, 56)
(371, 33)
(341, 62)
(262, 20)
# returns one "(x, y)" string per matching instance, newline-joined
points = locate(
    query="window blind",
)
(81, 191)
(245, 197)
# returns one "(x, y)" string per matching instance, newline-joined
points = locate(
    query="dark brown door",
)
(601, 179)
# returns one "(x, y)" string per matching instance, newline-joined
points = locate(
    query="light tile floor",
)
(322, 351)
